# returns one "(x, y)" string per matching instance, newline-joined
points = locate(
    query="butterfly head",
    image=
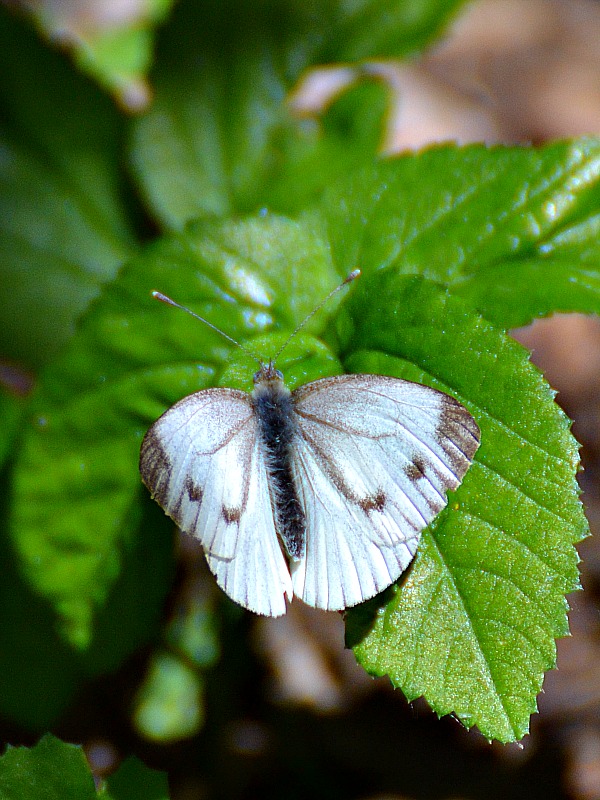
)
(268, 376)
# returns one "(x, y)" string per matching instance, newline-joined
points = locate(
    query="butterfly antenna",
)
(349, 278)
(164, 299)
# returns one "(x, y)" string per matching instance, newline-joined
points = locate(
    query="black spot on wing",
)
(415, 470)
(194, 492)
(374, 502)
(232, 516)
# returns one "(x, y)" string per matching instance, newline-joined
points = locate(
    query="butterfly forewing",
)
(374, 459)
(203, 463)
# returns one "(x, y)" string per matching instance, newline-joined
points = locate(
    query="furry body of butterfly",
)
(320, 493)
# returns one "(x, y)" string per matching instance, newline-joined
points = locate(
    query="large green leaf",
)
(473, 625)
(514, 230)
(62, 226)
(219, 138)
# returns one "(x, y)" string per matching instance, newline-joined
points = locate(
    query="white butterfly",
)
(320, 493)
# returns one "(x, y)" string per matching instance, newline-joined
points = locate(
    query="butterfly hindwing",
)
(373, 461)
(203, 463)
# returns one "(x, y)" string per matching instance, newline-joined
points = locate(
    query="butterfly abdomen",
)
(277, 429)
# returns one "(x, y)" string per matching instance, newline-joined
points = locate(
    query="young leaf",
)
(472, 625)
(170, 704)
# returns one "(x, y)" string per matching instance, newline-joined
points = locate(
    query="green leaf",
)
(513, 230)
(219, 138)
(115, 52)
(75, 512)
(135, 781)
(62, 226)
(55, 770)
(12, 408)
(119, 56)
(383, 28)
(52, 770)
(472, 626)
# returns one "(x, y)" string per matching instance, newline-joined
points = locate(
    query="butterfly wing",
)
(374, 459)
(203, 464)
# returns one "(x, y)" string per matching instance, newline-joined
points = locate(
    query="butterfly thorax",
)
(274, 408)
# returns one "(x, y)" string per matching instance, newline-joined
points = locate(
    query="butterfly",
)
(320, 493)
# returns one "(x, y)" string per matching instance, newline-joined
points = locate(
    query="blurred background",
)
(307, 721)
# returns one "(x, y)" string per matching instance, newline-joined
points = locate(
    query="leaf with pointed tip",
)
(472, 626)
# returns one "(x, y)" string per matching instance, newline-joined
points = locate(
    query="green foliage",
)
(259, 215)
(54, 770)
(473, 625)
(135, 781)
(117, 52)
(63, 227)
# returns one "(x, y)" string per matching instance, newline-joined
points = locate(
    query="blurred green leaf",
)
(219, 138)
(63, 230)
(135, 781)
(52, 770)
(116, 50)
(193, 631)
(170, 703)
(473, 625)
(119, 55)
(369, 29)
(55, 770)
